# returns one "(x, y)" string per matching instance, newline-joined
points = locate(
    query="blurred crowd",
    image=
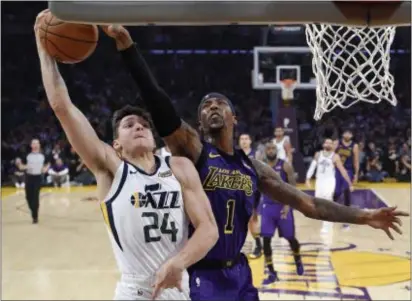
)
(101, 85)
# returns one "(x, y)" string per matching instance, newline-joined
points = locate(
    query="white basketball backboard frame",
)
(277, 85)
(212, 12)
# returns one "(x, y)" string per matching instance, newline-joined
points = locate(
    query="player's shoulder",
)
(178, 162)
(181, 167)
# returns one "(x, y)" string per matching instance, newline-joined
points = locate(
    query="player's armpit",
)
(185, 142)
(272, 185)
(199, 211)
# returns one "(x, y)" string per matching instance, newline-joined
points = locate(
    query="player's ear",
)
(117, 147)
(234, 120)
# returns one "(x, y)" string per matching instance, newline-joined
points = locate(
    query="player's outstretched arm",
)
(181, 138)
(97, 155)
(198, 209)
(272, 185)
(311, 169)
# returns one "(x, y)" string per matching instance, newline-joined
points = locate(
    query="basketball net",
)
(351, 65)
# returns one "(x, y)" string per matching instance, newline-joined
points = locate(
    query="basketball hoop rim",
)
(288, 83)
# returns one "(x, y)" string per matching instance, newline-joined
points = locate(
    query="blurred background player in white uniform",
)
(147, 201)
(282, 142)
(324, 162)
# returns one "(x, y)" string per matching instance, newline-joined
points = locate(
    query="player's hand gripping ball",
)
(67, 43)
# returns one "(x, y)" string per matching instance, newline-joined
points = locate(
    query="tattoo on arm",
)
(272, 185)
(333, 212)
(290, 172)
(185, 142)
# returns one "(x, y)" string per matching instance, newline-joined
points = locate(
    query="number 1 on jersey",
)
(230, 210)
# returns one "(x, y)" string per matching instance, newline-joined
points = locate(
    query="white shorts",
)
(132, 287)
(325, 188)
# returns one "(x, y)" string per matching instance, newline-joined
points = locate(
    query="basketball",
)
(68, 43)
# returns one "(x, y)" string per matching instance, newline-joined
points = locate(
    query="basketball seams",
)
(60, 37)
(62, 52)
(50, 23)
(66, 37)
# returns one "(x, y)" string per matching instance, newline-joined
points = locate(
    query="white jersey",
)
(281, 151)
(325, 166)
(164, 152)
(147, 225)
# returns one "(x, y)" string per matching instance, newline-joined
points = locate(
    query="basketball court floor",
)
(67, 256)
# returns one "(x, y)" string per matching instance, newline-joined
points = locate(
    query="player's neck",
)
(223, 142)
(144, 161)
(273, 163)
(247, 150)
(346, 143)
(278, 139)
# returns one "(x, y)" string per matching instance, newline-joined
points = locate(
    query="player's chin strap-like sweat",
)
(158, 103)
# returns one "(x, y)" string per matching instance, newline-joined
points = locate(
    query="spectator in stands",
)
(19, 174)
(56, 153)
(59, 173)
(390, 163)
(73, 161)
(85, 177)
(404, 174)
(374, 167)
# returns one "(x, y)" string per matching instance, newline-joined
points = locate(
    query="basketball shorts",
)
(325, 188)
(224, 284)
(271, 221)
(133, 287)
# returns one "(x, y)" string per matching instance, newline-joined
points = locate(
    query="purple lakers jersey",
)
(251, 154)
(278, 167)
(230, 182)
(346, 155)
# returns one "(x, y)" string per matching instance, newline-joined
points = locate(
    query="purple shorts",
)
(234, 283)
(271, 220)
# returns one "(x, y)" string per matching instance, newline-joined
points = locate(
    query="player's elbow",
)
(59, 104)
(213, 233)
(59, 108)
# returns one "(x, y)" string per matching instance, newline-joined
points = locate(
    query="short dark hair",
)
(128, 110)
(245, 134)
